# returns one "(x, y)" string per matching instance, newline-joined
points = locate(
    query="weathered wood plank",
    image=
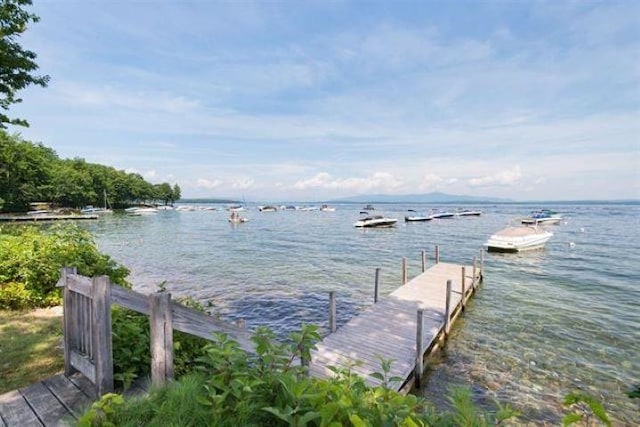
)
(16, 412)
(129, 299)
(79, 284)
(161, 338)
(82, 364)
(84, 385)
(46, 406)
(68, 394)
(103, 354)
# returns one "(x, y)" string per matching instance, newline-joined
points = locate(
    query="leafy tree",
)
(176, 193)
(16, 63)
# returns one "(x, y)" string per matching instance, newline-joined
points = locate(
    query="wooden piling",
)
(376, 288)
(481, 261)
(404, 270)
(68, 320)
(475, 271)
(161, 320)
(424, 261)
(463, 300)
(103, 354)
(447, 309)
(437, 254)
(419, 368)
(332, 311)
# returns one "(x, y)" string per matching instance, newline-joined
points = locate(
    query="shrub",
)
(31, 259)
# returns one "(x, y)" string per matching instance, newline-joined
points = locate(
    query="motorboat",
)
(309, 208)
(468, 212)
(236, 218)
(368, 208)
(267, 209)
(165, 208)
(518, 238)
(415, 217)
(236, 208)
(442, 214)
(327, 208)
(142, 211)
(543, 217)
(375, 221)
(92, 210)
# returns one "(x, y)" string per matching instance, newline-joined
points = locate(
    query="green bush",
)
(233, 388)
(31, 259)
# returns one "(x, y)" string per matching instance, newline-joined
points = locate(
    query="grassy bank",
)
(30, 347)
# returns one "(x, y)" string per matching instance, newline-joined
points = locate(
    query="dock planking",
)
(388, 328)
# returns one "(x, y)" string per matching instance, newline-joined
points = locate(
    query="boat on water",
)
(142, 211)
(518, 239)
(415, 217)
(468, 212)
(442, 214)
(236, 208)
(236, 218)
(327, 208)
(267, 209)
(375, 221)
(543, 217)
(92, 210)
(368, 208)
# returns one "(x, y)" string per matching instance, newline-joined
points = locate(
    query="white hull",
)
(518, 239)
(375, 222)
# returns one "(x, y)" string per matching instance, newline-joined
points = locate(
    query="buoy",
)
(582, 229)
(572, 245)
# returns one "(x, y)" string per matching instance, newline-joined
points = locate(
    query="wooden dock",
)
(56, 401)
(404, 327)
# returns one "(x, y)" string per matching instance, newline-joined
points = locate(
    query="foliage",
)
(270, 388)
(131, 343)
(32, 172)
(31, 259)
(16, 64)
(584, 407)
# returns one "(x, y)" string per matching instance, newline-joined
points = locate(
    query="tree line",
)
(31, 172)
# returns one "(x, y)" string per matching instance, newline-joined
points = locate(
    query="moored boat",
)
(543, 217)
(442, 214)
(375, 221)
(518, 239)
(267, 209)
(327, 208)
(415, 217)
(468, 212)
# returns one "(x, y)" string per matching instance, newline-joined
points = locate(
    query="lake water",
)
(544, 323)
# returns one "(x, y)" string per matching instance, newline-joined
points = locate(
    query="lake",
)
(543, 323)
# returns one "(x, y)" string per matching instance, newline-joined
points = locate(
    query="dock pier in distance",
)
(405, 326)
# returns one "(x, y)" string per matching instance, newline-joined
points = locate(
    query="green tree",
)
(176, 193)
(17, 65)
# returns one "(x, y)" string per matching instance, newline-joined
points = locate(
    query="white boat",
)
(327, 208)
(517, 239)
(236, 208)
(236, 218)
(267, 209)
(375, 221)
(543, 217)
(442, 214)
(92, 210)
(468, 212)
(165, 208)
(143, 211)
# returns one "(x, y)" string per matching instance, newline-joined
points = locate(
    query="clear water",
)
(544, 323)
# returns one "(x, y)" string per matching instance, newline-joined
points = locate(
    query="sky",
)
(314, 100)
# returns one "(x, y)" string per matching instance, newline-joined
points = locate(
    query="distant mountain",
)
(419, 198)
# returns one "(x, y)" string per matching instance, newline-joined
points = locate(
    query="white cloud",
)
(379, 181)
(208, 184)
(505, 178)
(243, 183)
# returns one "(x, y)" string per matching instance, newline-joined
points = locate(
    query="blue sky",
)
(314, 100)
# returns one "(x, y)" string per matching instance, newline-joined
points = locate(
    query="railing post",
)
(161, 321)
(332, 311)
(102, 351)
(419, 368)
(68, 320)
(447, 309)
(376, 288)
(404, 270)
(463, 288)
(424, 261)
(437, 254)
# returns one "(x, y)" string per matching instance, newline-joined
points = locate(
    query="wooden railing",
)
(87, 327)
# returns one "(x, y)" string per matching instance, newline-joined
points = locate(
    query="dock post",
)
(376, 288)
(68, 320)
(161, 319)
(332, 311)
(481, 262)
(404, 270)
(437, 254)
(475, 271)
(419, 368)
(463, 289)
(447, 310)
(424, 261)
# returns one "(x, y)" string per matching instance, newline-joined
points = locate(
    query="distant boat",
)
(543, 217)
(441, 214)
(416, 217)
(142, 211)
(236, 218)
(368, 208)
(468, 212)
(267, 209)
(165, 208)
(327, 208)
(517, 239)
(91, 210)
(376, 221)
(309, 208)
(236, 208)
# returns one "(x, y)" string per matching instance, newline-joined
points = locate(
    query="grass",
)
(30, 346)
